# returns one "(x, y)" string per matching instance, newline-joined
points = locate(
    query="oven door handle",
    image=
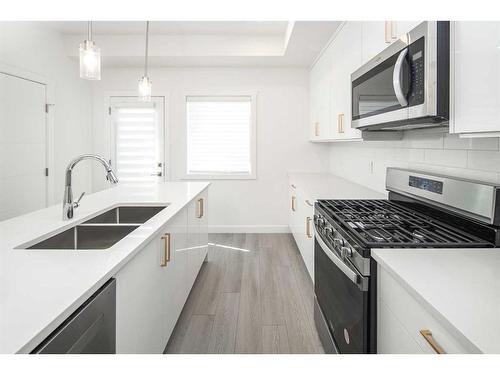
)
(397, 79)
(353, 276)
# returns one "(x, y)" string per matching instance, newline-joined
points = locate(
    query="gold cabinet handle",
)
(166, 250)
(308, 227)
(200, 212)
(389, 32)
(293, 202)
(309, 203)
(316, 129)
(293, 186)
(430, 340)
(340, 123)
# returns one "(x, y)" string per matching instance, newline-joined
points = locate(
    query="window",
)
(220, 136)
(137, 140)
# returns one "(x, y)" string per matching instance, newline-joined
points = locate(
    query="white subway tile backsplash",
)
(424, 139)
(430, 150)
(453, 141)
(484, 160)
(448, 158)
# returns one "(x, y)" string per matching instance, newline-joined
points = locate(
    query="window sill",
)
(219, 177)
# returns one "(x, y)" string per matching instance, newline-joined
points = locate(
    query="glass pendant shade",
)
(145, 89)
(90, 61)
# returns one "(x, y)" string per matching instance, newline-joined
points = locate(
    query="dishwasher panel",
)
(89, 330)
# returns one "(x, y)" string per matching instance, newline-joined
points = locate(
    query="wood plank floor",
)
(254, 295)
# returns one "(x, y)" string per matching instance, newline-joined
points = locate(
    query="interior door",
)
(138, 140)
(23, 144)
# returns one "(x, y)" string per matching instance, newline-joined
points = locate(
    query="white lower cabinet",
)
(301, 226)
(404, 325)
(152, 288)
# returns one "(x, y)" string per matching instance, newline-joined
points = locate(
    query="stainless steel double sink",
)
(100, 232)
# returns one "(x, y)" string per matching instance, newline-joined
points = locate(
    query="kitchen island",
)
(39, 289)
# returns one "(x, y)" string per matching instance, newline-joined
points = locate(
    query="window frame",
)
(253, 136)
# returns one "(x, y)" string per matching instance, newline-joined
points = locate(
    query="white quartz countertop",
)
(39, 289)
(460, 287)
(328, 186)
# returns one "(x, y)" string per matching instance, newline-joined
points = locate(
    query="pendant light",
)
(145, 81)
(90, 57)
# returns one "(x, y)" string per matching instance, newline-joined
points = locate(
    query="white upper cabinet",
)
(376, 38)
(377, 35)
(347, 51)
(320, 97)
(475, 78)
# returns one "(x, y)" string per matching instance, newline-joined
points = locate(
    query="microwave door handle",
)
(397, 78)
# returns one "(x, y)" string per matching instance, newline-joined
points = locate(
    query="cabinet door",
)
(375, 38)
(175, 277)
(141, 304)
(403, 27)
(320, 98)
(476, 89)
(347, 58)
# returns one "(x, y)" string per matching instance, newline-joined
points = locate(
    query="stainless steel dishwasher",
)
(89, 330)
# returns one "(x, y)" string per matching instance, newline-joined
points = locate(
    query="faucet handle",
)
(77, 203)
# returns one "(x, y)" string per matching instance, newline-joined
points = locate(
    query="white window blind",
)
(219, 132)
(136, 142)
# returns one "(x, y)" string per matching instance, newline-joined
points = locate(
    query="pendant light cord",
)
(146, 54)
(89, 30)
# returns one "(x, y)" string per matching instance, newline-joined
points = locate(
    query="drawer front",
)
(392, 337)
(415, 318)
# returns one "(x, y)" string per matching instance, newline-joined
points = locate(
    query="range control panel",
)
(426, 184)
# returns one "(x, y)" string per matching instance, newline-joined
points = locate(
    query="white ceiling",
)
(174, 27)
(203, 43)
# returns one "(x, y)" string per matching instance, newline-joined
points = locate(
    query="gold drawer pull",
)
(309, 203)
(308, 227)
(430, 339)
(166, 250)
(293, 202)
(293, 186)
(199, 215)
(316, 129)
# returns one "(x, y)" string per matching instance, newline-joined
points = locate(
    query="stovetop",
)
(385, 223)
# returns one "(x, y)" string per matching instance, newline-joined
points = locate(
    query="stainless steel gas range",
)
(423, 211)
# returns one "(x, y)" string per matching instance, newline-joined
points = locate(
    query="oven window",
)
(373, 93)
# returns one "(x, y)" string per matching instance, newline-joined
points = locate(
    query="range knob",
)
(338, 243)
(329, 230)
(346, 251)
(320, 221)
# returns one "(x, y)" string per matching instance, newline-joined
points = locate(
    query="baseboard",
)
(248, 229)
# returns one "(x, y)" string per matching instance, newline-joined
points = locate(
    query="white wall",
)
(282, 137)
(426, 150)
(33, 47)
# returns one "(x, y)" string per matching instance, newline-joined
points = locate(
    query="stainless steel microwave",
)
(407, 85)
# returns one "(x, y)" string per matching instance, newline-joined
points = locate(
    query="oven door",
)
(342, 295)
(380, 88)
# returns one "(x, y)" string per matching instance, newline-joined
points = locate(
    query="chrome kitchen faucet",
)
(68, 204)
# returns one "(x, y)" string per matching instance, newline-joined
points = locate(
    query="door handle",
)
(293, 202)
(397, 79)
(200, 212)
(316, 129)
(308, 227)
(166, 250)
(340, 123)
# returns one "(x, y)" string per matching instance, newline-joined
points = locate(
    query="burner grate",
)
(382, 223)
